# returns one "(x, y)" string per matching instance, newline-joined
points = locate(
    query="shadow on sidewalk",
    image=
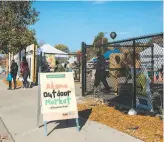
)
(83, 117)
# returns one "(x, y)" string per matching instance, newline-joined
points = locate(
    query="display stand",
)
(52, 116)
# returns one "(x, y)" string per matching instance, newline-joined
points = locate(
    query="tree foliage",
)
(97, 45)
(79, 55)
(15, 17)
(99, 39)
(62, 47)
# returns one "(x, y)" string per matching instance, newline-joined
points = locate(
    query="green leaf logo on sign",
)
(56, 76)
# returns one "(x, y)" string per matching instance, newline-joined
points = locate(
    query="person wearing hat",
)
(13, 71)
(100, 74)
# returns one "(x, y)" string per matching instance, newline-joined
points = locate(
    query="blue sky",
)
(70, 23)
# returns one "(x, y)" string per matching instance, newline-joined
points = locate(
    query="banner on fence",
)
(58, 96)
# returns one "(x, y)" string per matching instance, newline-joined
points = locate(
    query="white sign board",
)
(58, 96)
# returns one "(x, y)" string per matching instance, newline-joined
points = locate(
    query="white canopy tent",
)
(46, 48)
(146, 56)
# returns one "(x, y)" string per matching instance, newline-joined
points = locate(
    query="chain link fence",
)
(134, 69)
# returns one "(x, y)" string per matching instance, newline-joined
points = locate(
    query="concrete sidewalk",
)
(18, 112)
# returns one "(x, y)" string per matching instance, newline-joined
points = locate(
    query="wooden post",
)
(9, 62)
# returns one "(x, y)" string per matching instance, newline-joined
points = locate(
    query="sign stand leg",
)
(38, 107)
(45, 128)
(77, 124)
(39, 100)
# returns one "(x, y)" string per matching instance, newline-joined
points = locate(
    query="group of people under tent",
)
(67, 67)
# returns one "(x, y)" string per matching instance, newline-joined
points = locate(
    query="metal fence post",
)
(40, 62)
(79, 66)
(152, 63)
(39, 93)
(134, 74)
(83, 67)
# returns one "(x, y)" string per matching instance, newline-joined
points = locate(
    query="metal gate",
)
(47, 63)
(135, 69)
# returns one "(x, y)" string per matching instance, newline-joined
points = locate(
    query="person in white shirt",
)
(93, 76)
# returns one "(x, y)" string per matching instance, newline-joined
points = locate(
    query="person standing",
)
(24, 70)
(59, 67)
(13, 71)
(69, 67)
(93, 71)
(76, 69)
(161, 70)
(65, 66)
(100, 74)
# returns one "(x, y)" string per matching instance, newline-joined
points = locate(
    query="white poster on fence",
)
(30, 60)
(17, 60)
(58, 96)
(22, 53)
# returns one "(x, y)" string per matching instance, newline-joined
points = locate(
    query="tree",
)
(15, 17)
(99, 39)
(79, 55)
(97, 45)
(62, 47)
(78, 52)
